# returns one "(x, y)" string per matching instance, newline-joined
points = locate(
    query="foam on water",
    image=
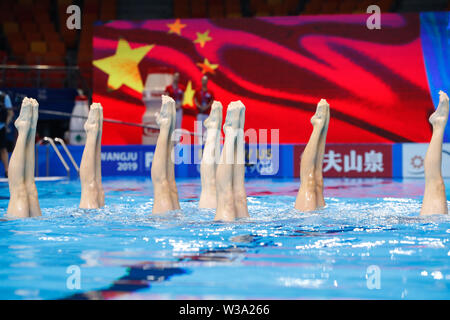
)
(125, 252)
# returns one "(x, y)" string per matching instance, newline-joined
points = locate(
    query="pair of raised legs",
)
(22, 187)
(434, 199)
(92, 194)
(210, 157)
(230, 173)
(310, 194)
(163, 169)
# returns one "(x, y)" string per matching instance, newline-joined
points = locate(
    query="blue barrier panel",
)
(48, 164)
(136, 160)
(269, 161)
(413, 160)
(397, 160)
(261, 161)
(276, 161)
(133, 160)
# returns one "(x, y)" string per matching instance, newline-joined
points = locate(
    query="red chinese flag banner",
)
(279, 67)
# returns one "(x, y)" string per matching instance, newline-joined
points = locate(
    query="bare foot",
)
(320, 117)
(327, 122)
(92, 123)
(230, 129)
(23, 122)
(173, 113)
(231, 124)
(440, 116)
(100, 121)
(232, 118)
(35, 113)
(241, 115)
(164, 117)
(214, 121)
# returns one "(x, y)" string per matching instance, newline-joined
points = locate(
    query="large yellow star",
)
(206, 66)
(122, 67)
(176, 27)
(202, 38)
(188, 98)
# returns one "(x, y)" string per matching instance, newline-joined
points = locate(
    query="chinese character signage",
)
(355, 160)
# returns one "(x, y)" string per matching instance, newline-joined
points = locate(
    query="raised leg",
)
(226, 210)
(208, 196)
(306, 198)
(89, 189)
(240, 195)
(319, 160)
(162, 195)
(98, 159)
(18, 203)
(434, 199)
(170, 161)
(30, 184)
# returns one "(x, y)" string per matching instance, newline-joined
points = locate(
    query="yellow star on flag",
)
(202, 38)
(176, 27)
(188, 98)
(122, 67)
(206, 66)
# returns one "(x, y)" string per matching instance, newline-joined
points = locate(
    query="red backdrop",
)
(279, 67)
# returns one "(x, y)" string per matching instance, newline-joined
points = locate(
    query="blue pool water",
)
(368, 243)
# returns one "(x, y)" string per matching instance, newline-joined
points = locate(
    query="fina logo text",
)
(74, 280)
(73, 22)
(373, 276)
(374, 21)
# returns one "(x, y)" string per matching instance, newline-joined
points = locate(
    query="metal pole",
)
(61, 141)
(65, 114)
(52, 143)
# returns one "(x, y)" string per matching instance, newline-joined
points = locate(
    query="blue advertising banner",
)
(136, 160)
(262, 161)
(271, 161)
(132, 160)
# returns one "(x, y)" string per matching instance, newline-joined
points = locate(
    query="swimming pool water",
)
(368, 243)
